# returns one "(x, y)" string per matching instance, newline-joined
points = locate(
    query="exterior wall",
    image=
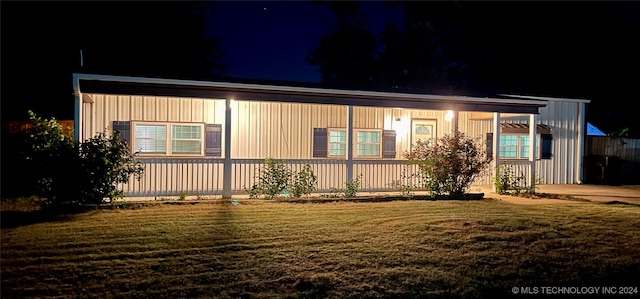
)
(562, 118)
(285, 131)
(258, 129)
(105, 109)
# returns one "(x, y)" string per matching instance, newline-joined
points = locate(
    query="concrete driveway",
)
(597, 193)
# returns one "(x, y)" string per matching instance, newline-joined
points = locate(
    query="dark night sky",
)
(597, 60)
(284, 32)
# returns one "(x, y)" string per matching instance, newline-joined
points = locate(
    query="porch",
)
(202, 176)
(236, 126)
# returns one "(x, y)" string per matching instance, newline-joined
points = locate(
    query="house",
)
(200, 137)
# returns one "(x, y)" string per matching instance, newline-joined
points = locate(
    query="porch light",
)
(397, 116)
(449, 115)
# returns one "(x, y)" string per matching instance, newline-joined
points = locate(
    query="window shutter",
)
(320, 142)
(213, 140)
(489, 145)
(388, 144)
(545, 146)
(124, 127)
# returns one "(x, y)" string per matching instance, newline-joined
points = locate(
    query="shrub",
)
(59, 170)
(105, 162)
(275, 177)
(50, 159)
(449, 165)
(304, 182)
(353, 187)
(506, 180)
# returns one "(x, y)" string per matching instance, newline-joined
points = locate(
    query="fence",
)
(17, 126)
(612, 160)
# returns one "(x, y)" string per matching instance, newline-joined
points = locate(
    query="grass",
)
(542, 195)
(632, 187)
(259, 249)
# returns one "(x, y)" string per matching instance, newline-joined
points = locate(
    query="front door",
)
(423, 129)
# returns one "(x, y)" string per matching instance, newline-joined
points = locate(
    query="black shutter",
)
(545, 146)
(124, 127)
(489, 145)
(320, 142)
(388, 144)
(213, 140)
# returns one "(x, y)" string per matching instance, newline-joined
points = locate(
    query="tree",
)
(433, 51)
(346, 58)
(159, 39)
(46, 161)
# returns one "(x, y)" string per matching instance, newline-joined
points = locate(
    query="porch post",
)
(349, 143)
(580, 146)
(455, 121)
(532, 151)
(496, 147)
(77, 113)
(226, 176)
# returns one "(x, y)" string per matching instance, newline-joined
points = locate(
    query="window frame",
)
(355, 143)
(537, 152)
(329, 130)
(136, 138)
(355, 146)
(169, 138)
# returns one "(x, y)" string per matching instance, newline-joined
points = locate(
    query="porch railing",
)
(204, 176)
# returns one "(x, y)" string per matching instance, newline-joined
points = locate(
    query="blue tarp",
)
(593, 131)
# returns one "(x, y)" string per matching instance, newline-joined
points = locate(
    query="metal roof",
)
(125, 85)
(523, 128)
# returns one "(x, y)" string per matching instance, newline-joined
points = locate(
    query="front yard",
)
(262, 249)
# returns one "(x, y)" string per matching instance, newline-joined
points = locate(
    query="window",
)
(516, 146)
(514, 142)
(367, 143)
(168, 139)
(151, 139)
(337, 143)
(186, 139)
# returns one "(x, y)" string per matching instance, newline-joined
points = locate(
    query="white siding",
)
(562, 118)
(285, 131)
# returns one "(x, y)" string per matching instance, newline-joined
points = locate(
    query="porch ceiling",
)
(220, 90)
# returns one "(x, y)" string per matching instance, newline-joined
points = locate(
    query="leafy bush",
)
(105, 162)
(50, 158)
(353, 187)
(62, 171)
(275, 177)
(506, 180)
(449, 165)
(304, 182)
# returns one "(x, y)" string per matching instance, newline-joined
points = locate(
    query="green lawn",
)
(261, 249)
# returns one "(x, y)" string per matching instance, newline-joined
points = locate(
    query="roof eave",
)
(313, 95)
